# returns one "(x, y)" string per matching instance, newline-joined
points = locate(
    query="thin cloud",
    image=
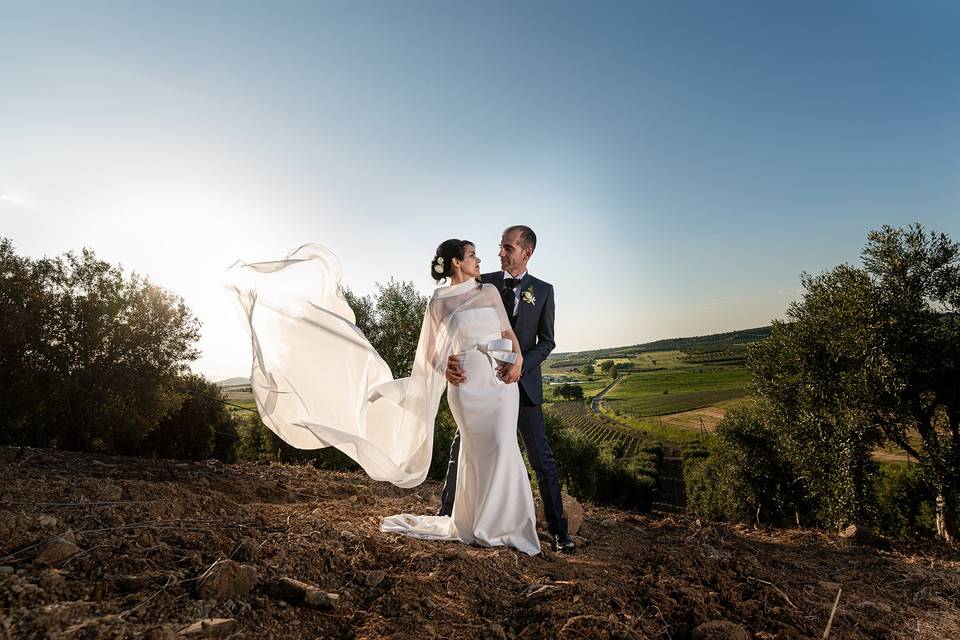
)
(9, 198)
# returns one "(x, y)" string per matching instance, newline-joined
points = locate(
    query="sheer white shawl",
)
(318, 382)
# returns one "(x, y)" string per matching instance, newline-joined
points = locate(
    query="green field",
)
(654, 393)
(660, 431)
(641, 361)
(672, 388)
(653, 360)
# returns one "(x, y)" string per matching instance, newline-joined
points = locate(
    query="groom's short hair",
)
(527, 237)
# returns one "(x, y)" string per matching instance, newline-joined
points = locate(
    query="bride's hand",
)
(511, 373)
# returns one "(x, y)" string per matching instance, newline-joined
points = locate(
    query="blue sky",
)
(681, 162)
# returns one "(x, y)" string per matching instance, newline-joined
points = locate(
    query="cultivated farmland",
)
(656, 393)
(602, 430)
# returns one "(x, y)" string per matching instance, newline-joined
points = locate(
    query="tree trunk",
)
(947, 526)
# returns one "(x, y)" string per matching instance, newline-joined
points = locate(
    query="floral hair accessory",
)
(439, 266)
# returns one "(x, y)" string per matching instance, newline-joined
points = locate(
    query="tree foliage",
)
(569, 391)
(749, 472)
(87, 353)
(872, 354)
(593, 472)
(391, 320)
(200, 428)
(809, 371)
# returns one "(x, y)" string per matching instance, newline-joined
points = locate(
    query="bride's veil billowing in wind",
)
(318, 382)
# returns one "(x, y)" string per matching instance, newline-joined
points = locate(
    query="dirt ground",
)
(149, 548)
(708, 417)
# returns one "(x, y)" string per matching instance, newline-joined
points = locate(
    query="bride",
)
(318, 382)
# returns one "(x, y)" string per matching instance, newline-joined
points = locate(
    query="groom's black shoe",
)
(563, 543)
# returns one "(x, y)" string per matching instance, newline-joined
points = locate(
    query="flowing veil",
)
(318, 382)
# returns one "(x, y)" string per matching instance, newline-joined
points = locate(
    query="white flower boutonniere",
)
(528, 296)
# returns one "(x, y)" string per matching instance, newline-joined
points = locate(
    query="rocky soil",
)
(108, 547)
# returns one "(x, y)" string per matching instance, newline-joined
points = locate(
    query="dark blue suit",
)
(533, 325)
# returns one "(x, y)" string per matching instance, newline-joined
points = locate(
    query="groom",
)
(529, 303)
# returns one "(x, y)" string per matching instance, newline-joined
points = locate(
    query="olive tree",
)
(871, 354)
(391, 321)
(914, 358)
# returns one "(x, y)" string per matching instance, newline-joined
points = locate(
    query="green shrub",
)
(444, 430)
(905, 503)
(702, 487)
(225, 440)
(745, 474)
(592, 472)
(624, 484)
(254, 439)
(615, 448)
(644, 464)
(569, 391)
(654, 448)
(199, 428)
(578, 464)
(695, 450)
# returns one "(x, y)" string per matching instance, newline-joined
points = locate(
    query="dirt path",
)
(595, 403)
(151, 538)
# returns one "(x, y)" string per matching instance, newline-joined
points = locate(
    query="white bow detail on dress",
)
(500, 350)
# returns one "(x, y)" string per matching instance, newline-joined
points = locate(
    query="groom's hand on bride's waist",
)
(454, 373)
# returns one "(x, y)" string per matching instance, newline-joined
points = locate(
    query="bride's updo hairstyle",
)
(441, 267)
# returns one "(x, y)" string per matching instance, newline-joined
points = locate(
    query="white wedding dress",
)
(318, 382)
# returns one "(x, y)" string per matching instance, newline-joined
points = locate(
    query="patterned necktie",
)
(509, 295)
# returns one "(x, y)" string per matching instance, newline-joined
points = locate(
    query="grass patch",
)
(656, 429)
(654, 360)
(654, 393)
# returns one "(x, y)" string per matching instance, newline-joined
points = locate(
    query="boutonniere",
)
(528, 296)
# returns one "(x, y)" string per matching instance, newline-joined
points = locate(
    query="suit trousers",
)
(532, 429)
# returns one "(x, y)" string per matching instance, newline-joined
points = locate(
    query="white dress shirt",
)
(516, 292)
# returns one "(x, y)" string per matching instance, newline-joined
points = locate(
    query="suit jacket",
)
(534, 328)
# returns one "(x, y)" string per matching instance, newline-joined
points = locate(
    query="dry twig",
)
(775, 588)
(158, 592)
(826, 632)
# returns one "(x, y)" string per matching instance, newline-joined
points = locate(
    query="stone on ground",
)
(228, 579)
(375, 577)
(572, 511)
(57, 550)
(211, 627)
(297, 592)
(721, 630)
(859, 534)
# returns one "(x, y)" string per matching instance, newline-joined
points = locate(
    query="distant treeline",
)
(718, 342)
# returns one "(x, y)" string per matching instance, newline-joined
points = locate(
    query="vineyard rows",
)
(600, 429)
